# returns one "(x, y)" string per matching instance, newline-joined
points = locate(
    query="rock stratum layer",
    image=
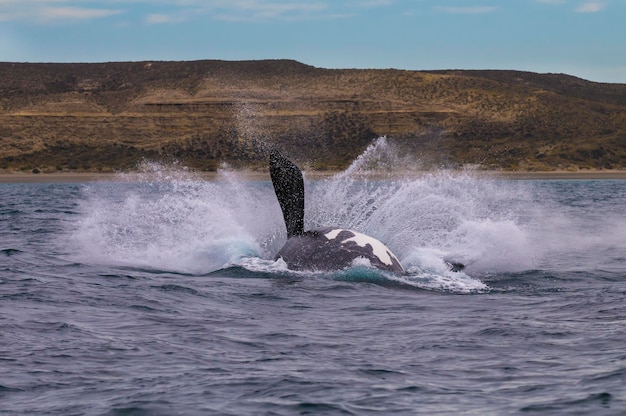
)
(108, 116)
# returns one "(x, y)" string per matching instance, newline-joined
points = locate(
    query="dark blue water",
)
(157, 294)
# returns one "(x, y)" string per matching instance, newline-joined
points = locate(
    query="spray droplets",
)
(168, 218)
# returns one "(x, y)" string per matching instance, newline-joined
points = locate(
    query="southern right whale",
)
(329, 248)
(326, 249)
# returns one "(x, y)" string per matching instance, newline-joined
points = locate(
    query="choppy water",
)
(157, 294)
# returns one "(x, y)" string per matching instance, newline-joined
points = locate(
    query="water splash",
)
(457, 214)
(169, 218)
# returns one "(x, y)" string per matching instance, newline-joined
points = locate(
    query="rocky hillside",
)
(108, 116)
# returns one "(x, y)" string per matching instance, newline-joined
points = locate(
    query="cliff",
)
(107, 116)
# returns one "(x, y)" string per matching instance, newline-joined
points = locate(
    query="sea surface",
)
(157, 294)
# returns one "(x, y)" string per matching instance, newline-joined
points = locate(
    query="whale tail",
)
(289, 189)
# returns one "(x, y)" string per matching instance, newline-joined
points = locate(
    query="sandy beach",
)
(55, 177)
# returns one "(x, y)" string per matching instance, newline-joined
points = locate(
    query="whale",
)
(327, 248)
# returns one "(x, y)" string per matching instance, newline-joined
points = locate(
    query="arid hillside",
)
(108, 116)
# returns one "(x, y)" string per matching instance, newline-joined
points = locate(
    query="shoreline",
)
(78, 177)
(592, 174)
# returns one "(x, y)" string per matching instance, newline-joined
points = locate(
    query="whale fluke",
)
(289, 188)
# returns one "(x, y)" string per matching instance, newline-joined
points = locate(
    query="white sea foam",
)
(464, 217)
(169, 219)
(165, 217)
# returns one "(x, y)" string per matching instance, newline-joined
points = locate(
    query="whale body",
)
(324, 249)
(331, 248)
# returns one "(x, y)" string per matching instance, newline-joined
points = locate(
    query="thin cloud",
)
(51, 10)
(376, 3)
(260, 10)
(75, 13)
(466, 10)
(591, 7)
(160, 18)
(178, 11)
(242, 10)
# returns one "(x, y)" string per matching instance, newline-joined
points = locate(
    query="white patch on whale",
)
(362, 240)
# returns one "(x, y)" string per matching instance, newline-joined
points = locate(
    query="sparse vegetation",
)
(106, 117)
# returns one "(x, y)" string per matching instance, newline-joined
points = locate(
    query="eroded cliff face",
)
(109, 116)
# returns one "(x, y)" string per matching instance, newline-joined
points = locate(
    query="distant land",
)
(103, 117)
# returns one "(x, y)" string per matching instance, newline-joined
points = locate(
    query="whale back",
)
(330, 248)
(289, 189)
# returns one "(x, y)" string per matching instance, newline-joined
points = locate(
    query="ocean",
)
(157, 293)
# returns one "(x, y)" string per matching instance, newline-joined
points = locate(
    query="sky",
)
(584, 38)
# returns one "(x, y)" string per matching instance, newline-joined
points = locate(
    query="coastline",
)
(558, 175)
(64, 177)
(78, 177)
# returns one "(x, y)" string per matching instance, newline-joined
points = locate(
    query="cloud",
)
(466, 10)
(177, 11)
(160, 18)
(51, 10)
(591, 7)
(75, 13)
(243, 10)
(267, 10)
(376, 3)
